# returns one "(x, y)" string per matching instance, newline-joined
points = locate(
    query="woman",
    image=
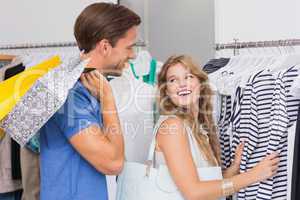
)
(187, 126)
(186, 140)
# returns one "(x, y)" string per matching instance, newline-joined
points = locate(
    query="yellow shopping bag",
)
(14, 88)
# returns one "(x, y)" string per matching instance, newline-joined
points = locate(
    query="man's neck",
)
(95, 61)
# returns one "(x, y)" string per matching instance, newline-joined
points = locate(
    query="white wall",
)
(254, 20)
(140, 7)
(38, 21)
(177, 27)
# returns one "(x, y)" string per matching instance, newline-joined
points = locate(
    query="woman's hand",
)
(97, 84)
(266, 168)
(234, 169)
(238, 157)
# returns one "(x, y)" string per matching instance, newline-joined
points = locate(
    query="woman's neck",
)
(194, 109)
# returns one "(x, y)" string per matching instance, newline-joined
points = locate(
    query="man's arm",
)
(105, 154)
(103, 148)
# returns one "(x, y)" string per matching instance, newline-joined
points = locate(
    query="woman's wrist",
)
(227, 187)
(252, 176)
(231, 171)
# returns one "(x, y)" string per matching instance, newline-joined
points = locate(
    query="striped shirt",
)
(260, 115)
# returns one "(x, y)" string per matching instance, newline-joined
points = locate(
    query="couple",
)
(83, 141)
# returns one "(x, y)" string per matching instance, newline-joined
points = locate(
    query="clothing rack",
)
(259, 44)
(51, 45)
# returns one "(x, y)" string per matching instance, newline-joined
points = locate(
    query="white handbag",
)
(144, 182)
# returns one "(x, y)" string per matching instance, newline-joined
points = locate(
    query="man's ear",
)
(104, 47)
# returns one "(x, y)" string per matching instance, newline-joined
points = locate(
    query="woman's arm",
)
(173, 142)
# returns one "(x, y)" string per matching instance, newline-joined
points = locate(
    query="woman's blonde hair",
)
(210, 148)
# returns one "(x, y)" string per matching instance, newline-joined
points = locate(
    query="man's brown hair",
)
(103, 21)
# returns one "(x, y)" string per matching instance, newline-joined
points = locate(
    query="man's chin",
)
(111, 72)
(116, 70)
(114, 74)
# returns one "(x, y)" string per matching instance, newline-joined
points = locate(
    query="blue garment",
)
(65, 175)
(11, 195)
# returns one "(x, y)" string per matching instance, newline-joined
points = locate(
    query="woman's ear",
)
(104, 47)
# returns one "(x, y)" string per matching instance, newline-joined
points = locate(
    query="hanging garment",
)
(7, 184)
(42, 100)
(3, 63)
(135, 102)
(223, 125)
(1, 134)
(215, 64)
(149, 78)
(15, 89)
(295, 192)
(4, 68)
(266, 113)
(30, 168)
(15, 147)
(16, 195)
(15, 160)
(136, 107)
(12, 71)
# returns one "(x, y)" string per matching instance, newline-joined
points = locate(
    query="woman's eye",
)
(190, 76)
(172, 80)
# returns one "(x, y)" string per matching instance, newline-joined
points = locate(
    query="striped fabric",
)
(260, 115)
(223, 125)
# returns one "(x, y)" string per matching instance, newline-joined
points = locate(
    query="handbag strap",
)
(151, 152)
(192, 141)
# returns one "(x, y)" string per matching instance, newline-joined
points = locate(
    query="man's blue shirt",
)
(65, 175)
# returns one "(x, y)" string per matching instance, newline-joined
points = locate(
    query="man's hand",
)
(97, 84)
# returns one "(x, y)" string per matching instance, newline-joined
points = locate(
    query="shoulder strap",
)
(151, 152)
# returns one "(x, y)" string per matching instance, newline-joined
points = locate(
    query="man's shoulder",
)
(79, 94)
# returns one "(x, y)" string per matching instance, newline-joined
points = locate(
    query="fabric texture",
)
(215, 64)
(266, 112)
(295, 192)
(30, 168)
(135, 100)
(15, 147)
(7, 184)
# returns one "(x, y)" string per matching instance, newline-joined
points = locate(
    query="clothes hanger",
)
(257, 63)
(287, 61)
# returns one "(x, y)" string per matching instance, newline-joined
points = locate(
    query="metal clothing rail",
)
(51, 45)
(258, 44)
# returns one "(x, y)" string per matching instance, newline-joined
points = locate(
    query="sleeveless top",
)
(197, 155)
(205, 170)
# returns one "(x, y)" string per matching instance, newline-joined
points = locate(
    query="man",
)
(81, 143)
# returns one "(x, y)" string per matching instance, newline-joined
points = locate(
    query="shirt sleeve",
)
(76, 114)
